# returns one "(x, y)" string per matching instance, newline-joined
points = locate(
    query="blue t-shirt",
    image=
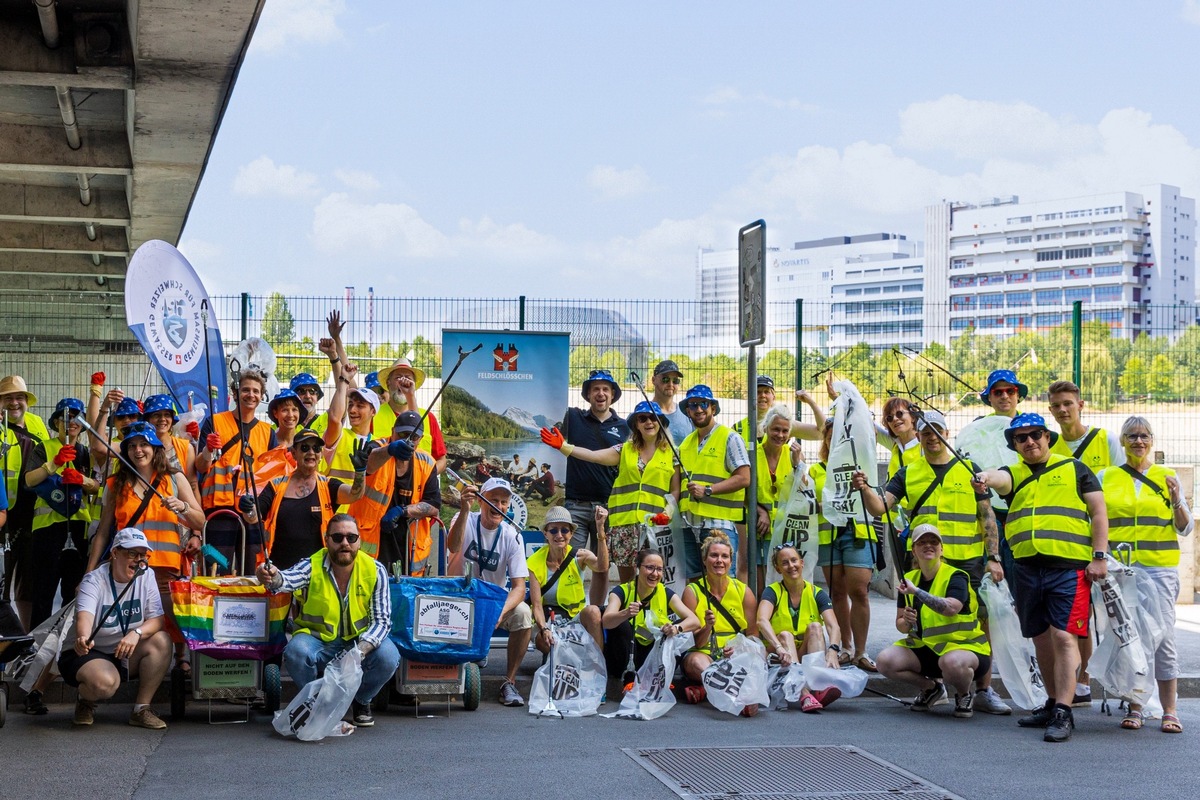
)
(680, 425)
(587, 482)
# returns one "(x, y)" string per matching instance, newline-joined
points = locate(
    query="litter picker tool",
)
(888, 696)
(674, 450)
(211, 390)
(550, 710)
(454, 476)
(83, 423)
(462, 356)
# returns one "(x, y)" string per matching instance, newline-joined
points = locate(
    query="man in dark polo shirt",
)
(596, 428)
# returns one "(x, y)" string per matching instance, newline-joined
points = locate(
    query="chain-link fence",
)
(1157, 375)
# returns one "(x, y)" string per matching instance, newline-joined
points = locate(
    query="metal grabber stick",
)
(462, 356)
(550, 710)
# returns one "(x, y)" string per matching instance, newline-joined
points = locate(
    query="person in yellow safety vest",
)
(1147, 513)
(793, 617)
(717, 463)
(402, 501)
(1058, 530)
(635, 607)
(295, 509)
(1097, 449)
(559, 589)
(725, 606)
(944, 644)
(233, 442)
(402, 380)
(777, 455)
(16, 399)
(847, 561)
(765, 398)
(898, 434)
(941, 483)
(361, 407)
(647, 476)
(16, 447)
(344, 602)
(56, 545)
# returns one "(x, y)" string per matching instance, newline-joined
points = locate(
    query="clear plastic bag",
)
(851, 681)
(651, 697)
(1012, 653)
(784, 686)
(796, 522)
(1119, 661)
(852, 448)
(317, 711)
(580, 674)
(739, 679)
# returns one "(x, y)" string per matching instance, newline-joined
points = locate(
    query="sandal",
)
(1133, 721)
(750, 710)
(826, 696)
(865, 663)
(1171, 724)
(694, 694)
(810, 704)
(844, 658)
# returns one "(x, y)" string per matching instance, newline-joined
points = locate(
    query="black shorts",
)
(70, 662)
(1051, 597)
(931, 669)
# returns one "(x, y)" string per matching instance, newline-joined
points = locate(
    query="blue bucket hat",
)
(306, 379)
(651, 407)
(1007, 376)
(159, 402)
(128, 408)
(1027, 421)
(67, 403)
(604, 376)
(282, 396)
(372, 381)
(701, 392)
(140, 430)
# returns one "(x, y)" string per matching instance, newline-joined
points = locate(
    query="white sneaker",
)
(989, 702)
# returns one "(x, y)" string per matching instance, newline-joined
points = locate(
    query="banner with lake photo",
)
(499, 399)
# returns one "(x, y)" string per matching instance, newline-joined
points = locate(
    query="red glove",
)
(553, 437)
(72, 477)
(661, 519)
(97, 379)
(193, 429)
(212, 442)
(65, 455)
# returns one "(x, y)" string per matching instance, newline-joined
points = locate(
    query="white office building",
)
(1005, 266)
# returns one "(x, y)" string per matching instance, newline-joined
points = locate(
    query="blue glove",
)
(246, 504)
(400, 450)
(391, 520)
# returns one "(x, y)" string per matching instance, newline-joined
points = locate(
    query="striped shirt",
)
(300, 576)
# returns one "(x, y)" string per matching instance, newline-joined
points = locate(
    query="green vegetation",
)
(465, 417)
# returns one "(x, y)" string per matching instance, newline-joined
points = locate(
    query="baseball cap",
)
(766, 380)
(931, 417)
(406, 423)
(667, 366)
(925, 529)
(368, 396)
(129, 538)
(304, 434)
(495, 483)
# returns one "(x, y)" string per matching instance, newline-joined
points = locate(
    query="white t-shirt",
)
(140, 604)
(504, 548)
(1116, 451)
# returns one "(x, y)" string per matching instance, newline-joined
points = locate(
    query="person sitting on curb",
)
(558, 588)
(939, 613)
(344, 602)
(112, 645)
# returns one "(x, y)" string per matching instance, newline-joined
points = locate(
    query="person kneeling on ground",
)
(939, 611)
(344, 602)
(127, 641)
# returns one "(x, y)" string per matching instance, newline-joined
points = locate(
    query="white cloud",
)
(1191, 11)
(342, 226)
(262, 177)
(357, 179)
(983, 129)
(200, 252)
(514, 242)
(286, 22)
(730, 95)
(612, 183)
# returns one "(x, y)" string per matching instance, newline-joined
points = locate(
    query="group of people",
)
(331, 505)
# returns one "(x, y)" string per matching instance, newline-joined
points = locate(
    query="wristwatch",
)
(708, 491)
(138, 631)
(994, 557)
(1098, 555)
(837, 648)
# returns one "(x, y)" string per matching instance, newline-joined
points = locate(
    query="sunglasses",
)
(558, 531)
(671, 379)
(338, 538)
(1138, 437)
(1021, 438)
(643, 418)
(1008, 390)
(696, 405)
(897, 416)
(309, 448)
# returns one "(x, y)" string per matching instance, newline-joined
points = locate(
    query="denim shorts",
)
(847, 551)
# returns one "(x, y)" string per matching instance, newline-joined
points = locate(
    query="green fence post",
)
(1077, 342)
(521, 318)
(245, 314)
(799, 347)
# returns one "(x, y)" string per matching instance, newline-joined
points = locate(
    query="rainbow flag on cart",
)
(250, 623)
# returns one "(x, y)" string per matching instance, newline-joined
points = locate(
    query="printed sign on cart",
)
(443, 619)
(237, 619)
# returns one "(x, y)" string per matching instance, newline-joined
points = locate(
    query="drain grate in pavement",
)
(775, 773)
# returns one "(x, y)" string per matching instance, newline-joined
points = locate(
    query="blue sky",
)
(587, 149)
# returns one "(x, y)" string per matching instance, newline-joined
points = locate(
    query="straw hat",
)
(15, 383)
(403, 363)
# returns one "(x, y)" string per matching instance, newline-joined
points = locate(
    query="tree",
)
(1162, 373)
(278, 326)
(1134, 379)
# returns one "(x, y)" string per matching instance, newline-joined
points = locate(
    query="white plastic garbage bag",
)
(851, 681)
(982, 441)
(784, 685)
(580, 674)
(49, 638)
(796, 522)
(1012, 653)
(1119, 660)
(852, 448)
(651, 697)
(739, 679)
(317, 711)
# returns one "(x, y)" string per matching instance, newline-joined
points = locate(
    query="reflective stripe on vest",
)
(951, 508)
(43, 515)
(807, 613)
(636, 494)
(707, 467)
(902, 457)
(1048, 516)
(323, 497)
(1140, 517)
(658, 606)
(217, 490)
(940, 633)
(320, 612)
(159, 523)
(568, 588)
(731, 601)
(369, 509)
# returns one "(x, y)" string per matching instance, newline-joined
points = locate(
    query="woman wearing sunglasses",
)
(793, 619)
(556, 578)
(647, 476)
(1146, 515)
(296, 509)
(636, 608)
(898, 434)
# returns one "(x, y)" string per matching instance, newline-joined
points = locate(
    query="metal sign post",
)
(752, 310)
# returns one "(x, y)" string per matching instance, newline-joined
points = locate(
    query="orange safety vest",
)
(369, 509)
(159, 523)
(420, 538)
(281, 484)
(219, 487)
